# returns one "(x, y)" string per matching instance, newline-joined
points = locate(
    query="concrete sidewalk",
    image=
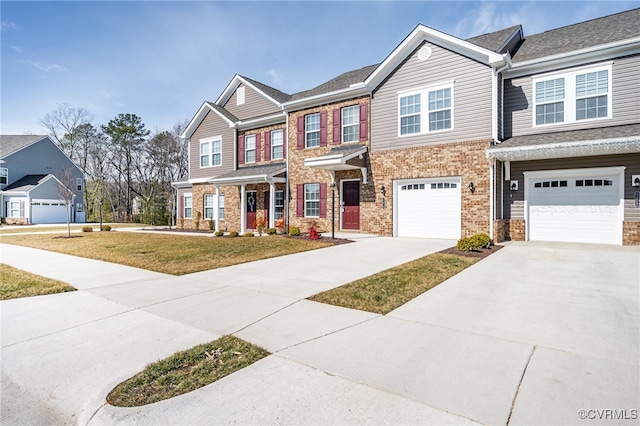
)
(504, 342)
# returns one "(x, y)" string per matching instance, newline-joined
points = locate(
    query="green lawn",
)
(15, 283)
(170, 254)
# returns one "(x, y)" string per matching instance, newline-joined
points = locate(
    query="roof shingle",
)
(11, 143)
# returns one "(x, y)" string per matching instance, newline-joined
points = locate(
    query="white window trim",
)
(424, 107)
(356, 124)
(220, 205)
(307, 132)
(570, 93)
(274, 145)
(212, 207)
(246, 150)
(275, 206)
(184, 207)
(210, 141)
(79, 184)
(305, 200)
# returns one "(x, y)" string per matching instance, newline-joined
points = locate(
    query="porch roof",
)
(344, 157)
(264, 173)
(26, 183)
(574, 143)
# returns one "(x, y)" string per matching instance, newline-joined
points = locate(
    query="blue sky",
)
(161, 60)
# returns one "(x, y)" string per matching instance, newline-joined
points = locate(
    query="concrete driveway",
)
(533, 334)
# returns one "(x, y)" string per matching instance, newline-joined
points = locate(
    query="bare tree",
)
(65, 194)
(62, 124)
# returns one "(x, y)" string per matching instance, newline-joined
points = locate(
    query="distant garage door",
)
(580, 205)
(48, 211)
(428, 208)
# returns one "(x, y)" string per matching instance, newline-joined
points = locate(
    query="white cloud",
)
(46, 67)
(16, 48)
(277, 79)
(487, 17)
(7, 26)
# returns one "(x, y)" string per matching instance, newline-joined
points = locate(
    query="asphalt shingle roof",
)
(494, 41)
(25, 183)
(600, 133)
(269, 91)
(223, 111)
(608, 29)
(11, 143)
(263, 169)
(342, 81)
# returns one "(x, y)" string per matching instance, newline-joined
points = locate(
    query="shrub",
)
(233, 233)
(260, 224)
(219, 233)
(211, 224)
(313, 234)
(271, 231)
(476, 242)
(464, 244)
(294, 231)
(248, 234)
(87, 229)
(181, 223)
(197, 222)
(106, 228)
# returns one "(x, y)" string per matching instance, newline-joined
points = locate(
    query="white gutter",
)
(355, 90)
(275, 118)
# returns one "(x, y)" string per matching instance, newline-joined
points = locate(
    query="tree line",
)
(128, 169)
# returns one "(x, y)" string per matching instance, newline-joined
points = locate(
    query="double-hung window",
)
(4, 175)
(187, 207)
(351, 123)
(432, 105)
(78, 207)
(550, 101)
(277, 147)
(250, 149)
(211, 152)
(208, 206)
(312, 130)
(15, 209)
(312, 200)
(592, 91)
(78, 184)
(221, 207)
(279, 205)
(573, 95)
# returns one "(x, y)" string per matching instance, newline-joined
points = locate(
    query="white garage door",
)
(48, 211)
(582, 208)
(428, 208)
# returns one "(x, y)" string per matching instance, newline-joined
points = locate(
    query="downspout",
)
(286, 182)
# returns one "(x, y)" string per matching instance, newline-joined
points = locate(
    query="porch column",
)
(217, 211)
(243, 209)
(272, 205)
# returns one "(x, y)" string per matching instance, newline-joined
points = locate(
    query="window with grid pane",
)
(550, 101)
(187, 207)
(204, 154)
(221, 207)
(208, 206)
(410, 114)
(591, 95)
(440, 109)
(279, 205)
(312, 200)
(250, 149)
(351, 124)
(312, 130)
(276, 144)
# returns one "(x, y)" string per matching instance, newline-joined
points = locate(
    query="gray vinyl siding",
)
(255, 104)
(43, 158)
(471, 99)
(48, 190)
(212, 125)
(519, 102)
(514, 200)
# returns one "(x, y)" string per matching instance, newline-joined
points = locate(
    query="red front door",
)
(351, 205)
(251, 209)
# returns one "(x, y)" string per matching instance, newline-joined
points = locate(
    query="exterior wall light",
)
(635, 179)
(513, 185)
(383, 190)
(472, 187)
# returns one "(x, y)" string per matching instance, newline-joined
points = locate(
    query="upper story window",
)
(250, 149)
(78, 184)
(4, 175)
(437, 111)
(277, 146)
(211, 152)
(351, 123)
(582, 94)
(312, 130)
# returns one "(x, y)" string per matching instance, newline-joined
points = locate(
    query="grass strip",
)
(186, 371)
(169, 254)
(385, 291)
(15, 283)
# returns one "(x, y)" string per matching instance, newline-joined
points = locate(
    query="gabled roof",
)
(12, 143)
(273, 95)
(268, 90)
(497, 41)
(26, 183)
(583, 35)
(343, 81)
(206, 107)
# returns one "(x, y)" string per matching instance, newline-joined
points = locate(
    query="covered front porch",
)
(261, 192)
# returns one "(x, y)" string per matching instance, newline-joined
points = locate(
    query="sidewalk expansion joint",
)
(515, 396)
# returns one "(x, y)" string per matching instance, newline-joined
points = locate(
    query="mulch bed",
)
(334, 241)
(472, 253)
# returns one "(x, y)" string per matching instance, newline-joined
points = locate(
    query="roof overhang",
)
(335, 162)
(625, 145)
(422, 33)
(233, 85)
(200, 115)
(268, 177)
(267, 120)
(353, 91)
(181, 184)
(573, 58)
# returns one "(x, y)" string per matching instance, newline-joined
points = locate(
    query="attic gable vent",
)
(424, 53)
(240, 96)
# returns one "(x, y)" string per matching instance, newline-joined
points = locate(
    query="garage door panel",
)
(48, 211)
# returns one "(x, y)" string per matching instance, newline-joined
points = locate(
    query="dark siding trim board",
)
(514, 200)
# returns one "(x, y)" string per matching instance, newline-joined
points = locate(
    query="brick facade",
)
(630, 233)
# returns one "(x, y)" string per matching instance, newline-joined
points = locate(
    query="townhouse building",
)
(520, 137)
